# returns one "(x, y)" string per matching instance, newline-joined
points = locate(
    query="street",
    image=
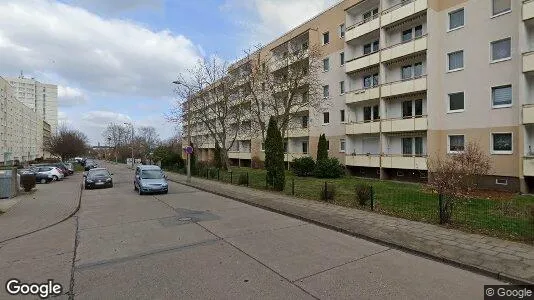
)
(190, 244)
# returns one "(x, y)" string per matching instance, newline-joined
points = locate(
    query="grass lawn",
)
(506, 218)
(78, 167)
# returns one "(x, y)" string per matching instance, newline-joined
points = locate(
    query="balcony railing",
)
(361, 28)
(415, 45)
(363, 160)
(528, 61)
(528, 114)
(292, 155)
(399, 161)
(406, 86)
(403, 10)
(239, 154)
(362, 127)
(528, 10)
(298, 132)
(415, 123)
(363, 94)
(362, 62)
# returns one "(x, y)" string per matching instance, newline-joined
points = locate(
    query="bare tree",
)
(68, 143)
(283, 85)
(213, 101)
(119, 136)
(148, 138)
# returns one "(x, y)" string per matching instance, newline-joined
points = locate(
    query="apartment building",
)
(406, 80)
(41, 97)
(21, 128)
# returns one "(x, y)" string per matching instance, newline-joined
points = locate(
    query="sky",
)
(114, 61)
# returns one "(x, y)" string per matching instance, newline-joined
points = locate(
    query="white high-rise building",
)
(40, 97)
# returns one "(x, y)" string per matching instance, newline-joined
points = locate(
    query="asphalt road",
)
(190, 244)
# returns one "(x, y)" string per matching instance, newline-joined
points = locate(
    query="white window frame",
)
(328, 88)
(341, 142)
(449, 143)
(326, 112)
(344, 116)
(492, 151)
(501, 13)
(342, 30)
(457, 69)
(322, 38)
(501, 183)
(449, 29)
(501, 59)
(344, 90)
(327, 60)
(502, 105)
(449, 111)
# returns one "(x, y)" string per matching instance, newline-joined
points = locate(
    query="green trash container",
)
(5, 183)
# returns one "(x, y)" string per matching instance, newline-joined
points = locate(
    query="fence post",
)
(266, 181)
(372, 198)
(247, 179)
(293, 186)
(231, 177)
(325, 191)
(218, 174)
(440, 203)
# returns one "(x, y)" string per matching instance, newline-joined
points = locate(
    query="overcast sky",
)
(114, 61)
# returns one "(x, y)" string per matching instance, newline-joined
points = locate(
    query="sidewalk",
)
(46, 205)
(498, 258)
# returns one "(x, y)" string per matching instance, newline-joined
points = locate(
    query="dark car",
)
(40, 177)
(98, 177)
(90, 164)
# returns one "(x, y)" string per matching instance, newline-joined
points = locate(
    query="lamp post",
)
(131, 124)
(188, 133)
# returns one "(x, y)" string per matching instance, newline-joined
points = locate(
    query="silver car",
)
(150, 179)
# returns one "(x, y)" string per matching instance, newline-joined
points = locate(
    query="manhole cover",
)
(184, 219)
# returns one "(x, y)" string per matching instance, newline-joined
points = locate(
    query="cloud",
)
(264, 20)
(69, 97)
(101, 119)
(104, 56)
(116, 6)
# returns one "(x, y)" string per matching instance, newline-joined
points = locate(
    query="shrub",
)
(329, 168)
(303, 166)
(257, 163)
(328, 192)
(363, 193)
(212, 173)
(27, 181)
(274, 156)
(243, 179)
(322, 148)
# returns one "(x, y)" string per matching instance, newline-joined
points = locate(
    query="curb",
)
(53, 224)
(473, 268)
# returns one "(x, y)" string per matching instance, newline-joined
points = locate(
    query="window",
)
(326, 64)
(285, 146)
(262, 146)
(418, 107)
(304, 121)
(406, 35)
(305, 46)
(418, 70)
(418, 141)
(456, 19)
(326, 118)
(342, 115)
(305, 147)
(263, 86)
(418, 31)
(456, 102)
(456, 60)
(326, 91)
(371, 47)
(456, 143)
(501, 50)
(406, 72)
(342, 145)
(376, 46)
(501, 181)
(375, 79)
(501, 143)
(501, 6)
(368, 81)
(305, 97)
(367, 48)
(501, 96)
(376, 112)
(342, 58)
(407, 109)
(342, 87)
(328, 145)
(342, 30)
(326, 38)
(367, 114)
(407, 148)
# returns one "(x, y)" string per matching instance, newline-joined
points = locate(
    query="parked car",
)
(90, 164)
(150, 179)
(70, 167)
(50, 172)
(98, 177)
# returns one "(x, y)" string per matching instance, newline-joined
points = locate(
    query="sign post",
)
(189, 151)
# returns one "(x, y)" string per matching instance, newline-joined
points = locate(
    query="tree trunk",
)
(225, 160)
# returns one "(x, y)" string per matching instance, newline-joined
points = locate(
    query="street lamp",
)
(131, 124)
(188, 133)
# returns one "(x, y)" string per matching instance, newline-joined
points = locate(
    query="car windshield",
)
(151, 174)
(98, 173)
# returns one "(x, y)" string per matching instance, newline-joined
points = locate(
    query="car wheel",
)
(87, 187)
(135, 187)
(139, 191)
(54, 178)
(166, 192)
(111, 185)
(43, 180)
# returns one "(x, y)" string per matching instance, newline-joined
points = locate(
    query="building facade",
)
(41, 97)
(406, 80)
(21, 128)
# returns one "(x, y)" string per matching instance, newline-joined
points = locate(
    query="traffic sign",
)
(189, 150)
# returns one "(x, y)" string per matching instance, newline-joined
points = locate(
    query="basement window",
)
(501, 181)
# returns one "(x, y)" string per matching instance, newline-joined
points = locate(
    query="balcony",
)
(528, 61)
(239, 155)
(528, 10)
(298, 132)
(363, 160)
(403, 10)
(362, 62)
(404, 162)
(401, 125)
(291, 156)
(407, 86)
(362, 128)
(416, 45)
(362, 95)
(362, 28)
(282, 62)
(528, 114)
(243, 137)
